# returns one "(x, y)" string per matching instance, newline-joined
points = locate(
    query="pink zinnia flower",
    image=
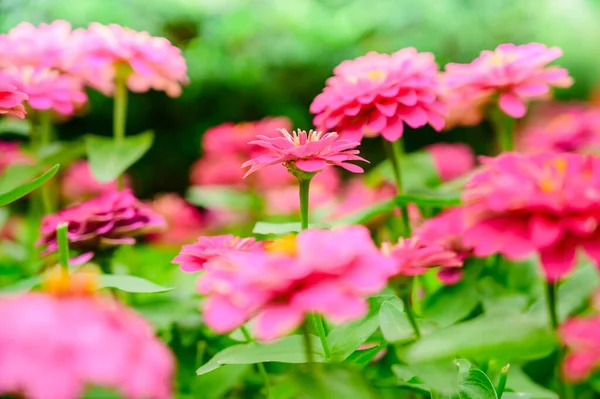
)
(184, 221)
(78, 183)
(154, 62)
(307, 152)
(548, 204)
(451, 160)
(379, 93)
(581, 336)
(57, 346)
(11, 99)
(47, 89)
(413, 256)
(515, 73)
(319, 271)
(12, 154)
(114, 218)
(193, 257)
(218, 170)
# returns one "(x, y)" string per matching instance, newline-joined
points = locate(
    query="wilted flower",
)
(451, 160)
(549, 204)
(11, 100)
(78, 183)
(193, 257)
(515, 73)
(319, 271)
(414, 256)
(105, 343)
(580, 336)
(305, 152)
(379, 93)
(114, 218)
(184, 221)
(148, 62)
(11, 154)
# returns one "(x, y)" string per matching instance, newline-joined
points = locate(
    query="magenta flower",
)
(11, 99)
(307, 152)
(451, 160)
(114, 218)
(12, 154)
(413, 256)
(78, 183)
(580, 336)
(106, 345)
(549, 204)
(515, 73)
(193, 257)
(319, 271)
(184, 221)
(153, 62)
(379, 93)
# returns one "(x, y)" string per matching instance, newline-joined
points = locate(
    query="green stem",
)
(120, 114)
(261, 367)
(320, 327)
(551, 292)
(410, 314)
(63, 244)
(307, 343)
(505, 132)
(395, 153)
(502, 382)
(304, 186)
(45, 137)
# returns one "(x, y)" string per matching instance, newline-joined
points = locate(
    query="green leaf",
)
(63, 153)
(344, 340)
(109, 159)
(14, 126)
(17, 175)
(520, 383)
(438, 376)
(22, 285)
(417, 168)
(364, 356)
(476, 385)
(286, 350)
(494, 336)
(395, 327)
(280, 229)
(367, 214)
(451, 303)
(216, 384)
(333, 384)
(24, 189)
(428, 198)
(128, 283)
(220, 197)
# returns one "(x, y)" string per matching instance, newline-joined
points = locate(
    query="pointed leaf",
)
(395, 327)
(128, 283)
(451, 303)
(476, 385)
(17, 192)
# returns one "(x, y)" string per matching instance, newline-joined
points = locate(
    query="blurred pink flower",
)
(10, 229)
(114, 218)
(44, 46)
(56, 346)
(184, 222)
(153, 61)
(379, 93)
(47, 89)
(515, 73)
(465, 108)
(193, 257)
(11, 99)
(561, 127)
(413, 256)
(330, 272)
(306, 152)
(12, 154)
(218, 170)
(78, 183)
(549, 204)
(580, 336)
(451, 160)
(357, 195)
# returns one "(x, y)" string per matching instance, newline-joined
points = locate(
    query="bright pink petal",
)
(512, 105)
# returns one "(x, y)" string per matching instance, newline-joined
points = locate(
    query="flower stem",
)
(120, 115)
(395, 151)
(551, 292)
(320, 327)
(45, 137)
(63, 244)
(304, 186)
(502, 382)
(261, 367)
(307, 343)
(505, 132)
(410, 314)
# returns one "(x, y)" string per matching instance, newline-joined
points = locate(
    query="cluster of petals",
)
(55, 346)
(451, 160)
(549, 204)
(114, 218)
(380, 93)
(414, 256)
(561, 127)
(184, 222)
(513, 73)
(330, 272)
(149, 62)
(11, 99)
(193, 257)
(79, 184)
(12, 154)
(580, 336)
(305, 151)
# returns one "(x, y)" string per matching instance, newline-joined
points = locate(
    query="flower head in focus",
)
(78, 183)
(549, 204)
(147, 62)
(451, 160)
(193, 257)
(380, 93)
(413, 256)
(11, 99)
(306, 152)
(114, 218)
(184, 221)
(516, 74)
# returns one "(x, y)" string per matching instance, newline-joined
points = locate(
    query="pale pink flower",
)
(47, 89)
(330, 272)
(154, 62)
(78, 183)
(184, 221)
(193, 257)
(307, 152)
(581, 336)
(57, 346)
(516, 74)
(451, 160)
(549, 204)
(413, 256)
(11, 99)
(218, 170)
(12, 154)
(379, 93)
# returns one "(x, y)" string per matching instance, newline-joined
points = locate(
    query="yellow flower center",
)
(553, 173)
(376, 75)
(500, 58)
(58, 281)
(284, 245)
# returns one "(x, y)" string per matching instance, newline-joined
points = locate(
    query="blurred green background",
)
(254, 58)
